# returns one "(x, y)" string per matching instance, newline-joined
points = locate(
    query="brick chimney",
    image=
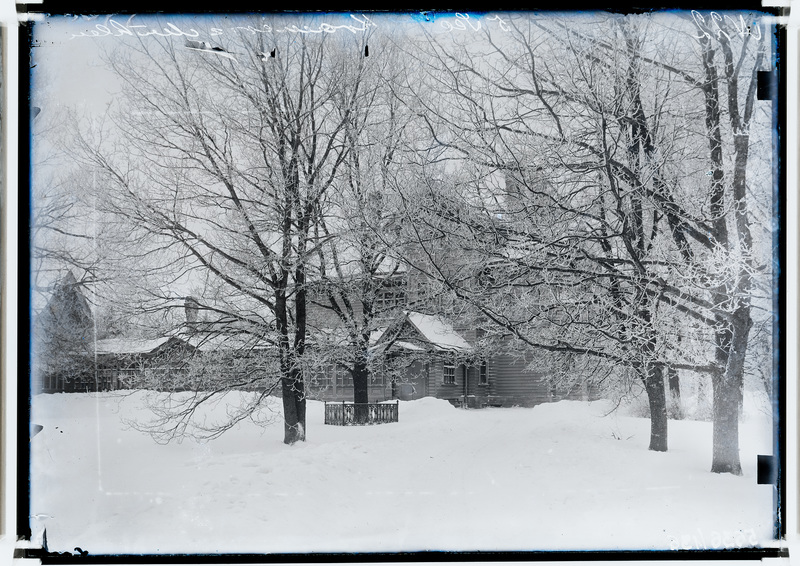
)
(191, 307)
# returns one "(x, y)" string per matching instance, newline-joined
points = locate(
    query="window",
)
(449, 372)
(390, 292)
(483, 374)
(51, 382)
(324, 379)
(334, 375)
(343, 376)
(390, 297)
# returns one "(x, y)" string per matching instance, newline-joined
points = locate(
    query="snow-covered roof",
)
(202, 341)
(437, 331)
(218, 341)
(338, 335)
(408, 346)
(376, 335)
(128, 345)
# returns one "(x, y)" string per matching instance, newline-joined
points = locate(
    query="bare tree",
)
(218, 161)
(355, 272)
(609, 245)
(743, 55)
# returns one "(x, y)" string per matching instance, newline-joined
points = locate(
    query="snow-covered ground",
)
(557, 476)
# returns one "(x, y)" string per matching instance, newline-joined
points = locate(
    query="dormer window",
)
(391, 295)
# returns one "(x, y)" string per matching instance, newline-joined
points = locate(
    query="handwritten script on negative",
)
(113, 28)
(717, 24)
(463, 22)
(356, 24)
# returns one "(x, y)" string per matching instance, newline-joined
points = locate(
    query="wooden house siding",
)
(511, 383)
(434, 370)
(438, 388)
(415, 385)
(377, 392)
(479, 394)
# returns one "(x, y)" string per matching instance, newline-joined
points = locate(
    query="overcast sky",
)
(69, 71)
(67, 50)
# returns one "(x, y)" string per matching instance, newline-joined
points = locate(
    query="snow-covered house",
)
(451, 363)
(421, 355)
(416, 354)
(124, 363)
(68, 356)
(185, 360)
(196, 355)
(419, 351)
(425, 356)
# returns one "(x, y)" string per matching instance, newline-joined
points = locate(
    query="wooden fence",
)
(344, 414)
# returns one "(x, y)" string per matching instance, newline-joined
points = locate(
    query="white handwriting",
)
(116, 29)
(715, 540)
(113, 28)
(498, 19)
(713, 26)
(364, 24)
(463, 22)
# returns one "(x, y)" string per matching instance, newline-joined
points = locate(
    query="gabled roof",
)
(438, 332)
(431, 329)
(410, 346)
(201, 341)
(218, 341)
(377, 334)
(121, 346)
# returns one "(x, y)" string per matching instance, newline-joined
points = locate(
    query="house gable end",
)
(403, 331)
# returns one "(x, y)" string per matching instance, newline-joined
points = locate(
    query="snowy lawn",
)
(558, 476)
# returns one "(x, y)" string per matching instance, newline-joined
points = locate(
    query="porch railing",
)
(344, 414)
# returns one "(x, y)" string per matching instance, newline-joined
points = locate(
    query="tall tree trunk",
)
(637, 243)
(727, 387)
(732, 335)
(360, 381)
(657, 399)
(361, 388)
(726, 427)
(360, 367)
(674, 382)
(294, 408)
(653, 377)
(292, 388)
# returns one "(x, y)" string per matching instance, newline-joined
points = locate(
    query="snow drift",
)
(557, 476)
